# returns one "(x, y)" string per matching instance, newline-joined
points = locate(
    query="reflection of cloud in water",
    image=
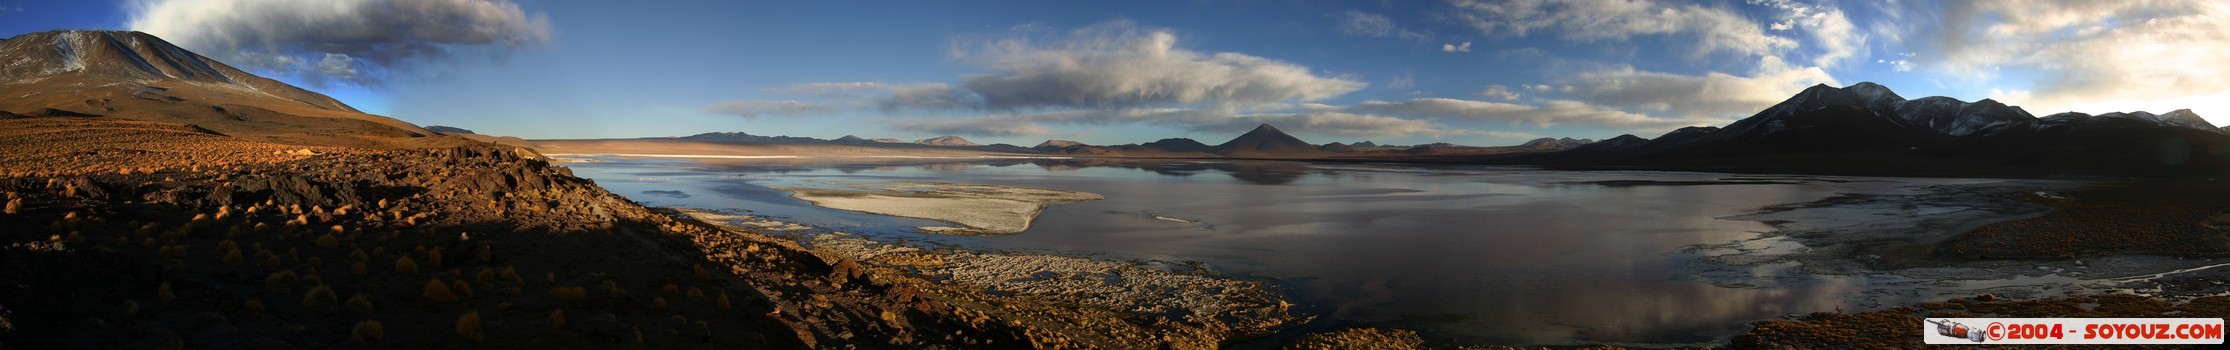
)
(667, 194)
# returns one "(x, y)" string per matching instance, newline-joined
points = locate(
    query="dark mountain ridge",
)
(1868, 129)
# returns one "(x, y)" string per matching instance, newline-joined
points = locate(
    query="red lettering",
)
(2090, 331)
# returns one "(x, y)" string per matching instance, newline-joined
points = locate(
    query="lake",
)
(1470, 253)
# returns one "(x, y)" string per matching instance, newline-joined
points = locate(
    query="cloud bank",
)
(360, 42)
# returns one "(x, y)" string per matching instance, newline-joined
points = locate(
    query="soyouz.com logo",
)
(2072, 330)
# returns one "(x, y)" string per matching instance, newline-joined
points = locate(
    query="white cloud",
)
(1453, 48)
(1718, 29)
(986, 127)
(1711, 95)
(304, 37)
(2089, 56)
(1550, 113)
(1370, 25)
(1120, 65)
(1499, 92)
(1838, 39)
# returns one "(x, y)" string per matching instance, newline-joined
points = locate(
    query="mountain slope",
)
(1848, 130)
(946, 141)
(133, 75)
(1264, 140)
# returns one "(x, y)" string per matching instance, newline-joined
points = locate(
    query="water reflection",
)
(1475, 254)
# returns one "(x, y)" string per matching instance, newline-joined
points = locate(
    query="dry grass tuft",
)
(557, 318)
(319, 298)
(368, 332)
(439, 292)
(723, 302)
(462, 288)
(433, 258)
(163, 292)
(658, 303)
(406, 266)
(327, 241)
(468, 326)
(360, 302)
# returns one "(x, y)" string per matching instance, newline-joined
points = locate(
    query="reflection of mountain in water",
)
(1254, 172)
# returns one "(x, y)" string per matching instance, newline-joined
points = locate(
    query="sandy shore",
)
(977, 209)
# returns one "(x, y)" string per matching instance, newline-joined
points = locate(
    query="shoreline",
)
(1176, 308)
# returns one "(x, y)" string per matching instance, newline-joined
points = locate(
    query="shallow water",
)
(1473, 254)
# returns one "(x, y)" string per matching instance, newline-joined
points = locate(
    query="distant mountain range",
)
(1867, 129)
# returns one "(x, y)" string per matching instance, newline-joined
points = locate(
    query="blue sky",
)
(1402, 72)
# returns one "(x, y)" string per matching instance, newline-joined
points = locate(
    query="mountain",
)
(448, 129)
(739, 136)
(1057, 144)
(1868, 129)
(946, 141)
(1336, 147)
(135, 76)
(1552, 144)
(1364, 144)
(887, 140)
(852, 139)
(1264, 140)
(1177, 145)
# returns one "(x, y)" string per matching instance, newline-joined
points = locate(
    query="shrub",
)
(557, 318)
(695, 293)
(658, 303)
(232, 257)
(405, 265)
(357, 269)
(700, 272)
(163, 292)
(724, 305)
(279, 280)
(367, 332)
(462, 288)
(439, 292)
(512, 274)
(670, 288)
(360, 302)
(433, 258)
(253, 305)
(486, 275)
(468, 326)
(319, 298)
(327, 241)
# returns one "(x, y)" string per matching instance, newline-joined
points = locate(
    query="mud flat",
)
(2008, 249)
(976, 209)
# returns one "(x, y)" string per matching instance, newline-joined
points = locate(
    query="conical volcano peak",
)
(1264, 140)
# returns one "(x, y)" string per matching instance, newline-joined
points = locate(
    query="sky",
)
(1469, 72)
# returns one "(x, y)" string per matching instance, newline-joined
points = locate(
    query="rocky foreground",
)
(127, 234)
